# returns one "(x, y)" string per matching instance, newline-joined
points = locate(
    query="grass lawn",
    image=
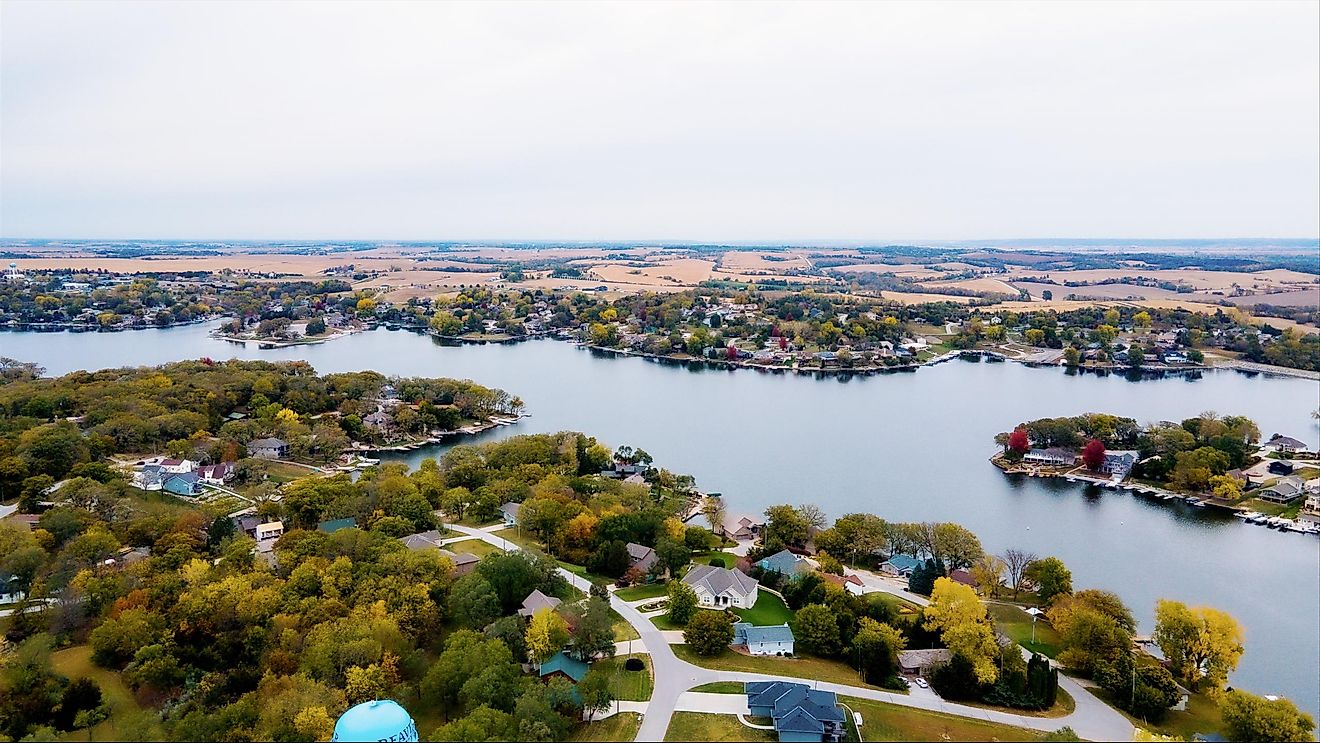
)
(622, 726)
(1202, 716)
(881, 721)
(622, 630)
(628, 686)
(581, 572)
(803, 667)
(687, 726)
(721, 687)
(663, 622)
(76, 662)
(1016, 623)
(769, 609)
(900, 605)
(473, 546)
(282, 472)
(637, 593)
(522, 540)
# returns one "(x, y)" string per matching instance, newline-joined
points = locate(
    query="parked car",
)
(922, 683)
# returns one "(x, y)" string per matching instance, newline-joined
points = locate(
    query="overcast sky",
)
(680, 121)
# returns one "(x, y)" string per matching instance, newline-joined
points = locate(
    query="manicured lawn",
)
(769, 609)
(628, 686)
(1202, 716)
(881, 721)
(637, 593)
(622, 726)
(803, 667)
(1016, 623)
(900, 605)
(690, 726)
(622, 630)
(581, 572)
(662, 621)
(523, 540)
(721, 687)
(473, 546)
(76, 662)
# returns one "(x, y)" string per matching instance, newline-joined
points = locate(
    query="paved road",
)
(1092, 719)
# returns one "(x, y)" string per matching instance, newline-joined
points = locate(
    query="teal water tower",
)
(379, 720)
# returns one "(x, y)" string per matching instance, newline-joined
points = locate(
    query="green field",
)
(721, 687)
(473, 546)
(637, 593)
(769, 609)
(803, 667)
(622, 726)
(76, 662)
(881, 721)
(1016, 623)
(690, 726)
(628, 686)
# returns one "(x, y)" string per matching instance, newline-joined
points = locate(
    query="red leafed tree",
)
(783, 343)
(774, 332)
(208, 361)
(1018, 441)
(1093, 454)
(731, 353)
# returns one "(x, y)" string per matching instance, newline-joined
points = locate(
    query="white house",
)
(270, 530)
(720, 587)
(509, 512)
(177, 466)
(1053, 456)
(773, 640)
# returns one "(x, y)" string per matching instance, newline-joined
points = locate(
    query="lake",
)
(907, 447)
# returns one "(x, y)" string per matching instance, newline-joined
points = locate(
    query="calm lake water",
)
(908, 447)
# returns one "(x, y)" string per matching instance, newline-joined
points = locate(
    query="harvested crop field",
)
(911, 271)
(1102, 291)
(681, 272)
(1199, 280)
(736, 261)
(976, 285)
(1301, 298)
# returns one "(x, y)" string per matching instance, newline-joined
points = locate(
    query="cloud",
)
(705, 121)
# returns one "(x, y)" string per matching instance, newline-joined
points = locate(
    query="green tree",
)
(682, 602)
(709, 633)
(1051, 578)
(1249, 717)
(592, 631)
(596, 691)
(875, 650)
(816, 630)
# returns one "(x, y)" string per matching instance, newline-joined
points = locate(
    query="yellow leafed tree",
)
(958, 615)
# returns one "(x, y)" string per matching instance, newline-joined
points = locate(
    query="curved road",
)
(1092, 719)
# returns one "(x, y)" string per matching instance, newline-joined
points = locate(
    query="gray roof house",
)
(918, 662)
(537, 601)
(422, 541)
(773, 640)
(464, 562)
(1285, 443)
(721, 587)
(271, 448)
(1286, 490)
(800, 713)
(510, 513)
(641, 557)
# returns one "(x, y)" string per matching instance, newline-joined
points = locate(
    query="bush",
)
(719, 562)
(634, 664)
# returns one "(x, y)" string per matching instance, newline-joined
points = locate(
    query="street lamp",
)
(1035, 614)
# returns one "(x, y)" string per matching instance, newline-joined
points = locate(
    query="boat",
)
(1303, 527)
(1194, 501)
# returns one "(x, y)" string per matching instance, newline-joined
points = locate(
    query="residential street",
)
(1092, 719)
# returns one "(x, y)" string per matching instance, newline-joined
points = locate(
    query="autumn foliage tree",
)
(1018, 442)
(1093, 454)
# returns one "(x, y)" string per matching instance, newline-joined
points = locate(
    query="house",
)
(130, 555)
(1053, 456)
(799, 712)
(635, 479)
(177, 466)
(334, 525)
(28, 520)
(741, 528)
(186, 483)
(269, 530)
(379, 420)
(150, 477)
(1285, 444)
(773, 640)
(1280, 468)
(963, 577)
(10, 593)
(217, 474)
(565, 666)
(721, 587)
(422, 541)
(919, 662)
(900, 565)
(464, 562)
(785, 563)
(641, 557)
(268, 448)
(850, 583)
(1119, 462)
(1286, 490)
(537, 601)
(510, 513)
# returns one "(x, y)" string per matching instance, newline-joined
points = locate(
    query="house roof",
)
(562, 663)
(537, 601)
(460, 558)
(903, 562)
(785, 562)
(841, 580)
(963, 577)
(717, 580)
(795, 707)
(269, 443)
(422, 541)
(189, 477)
(511, 508)
(923, 658)
(1288, 441)
(746, 633)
